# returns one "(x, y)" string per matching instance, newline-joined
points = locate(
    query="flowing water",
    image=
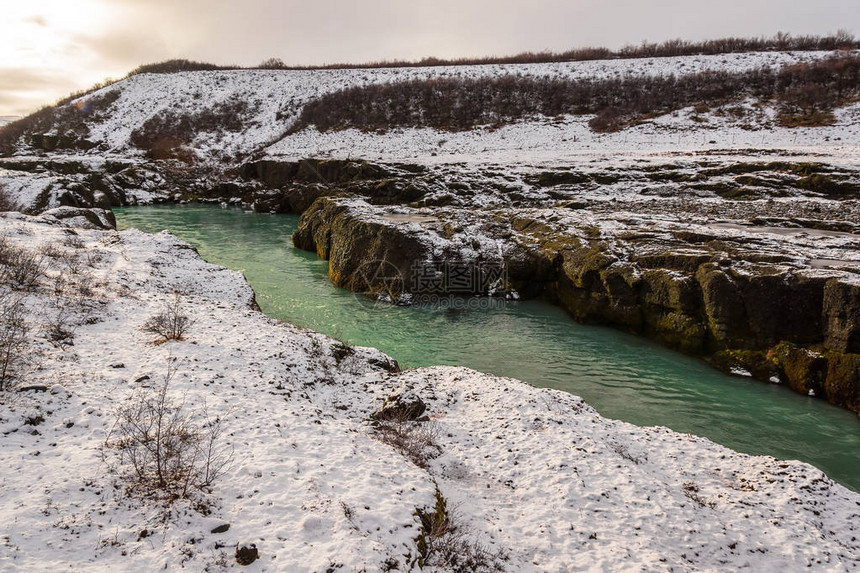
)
(624, 377)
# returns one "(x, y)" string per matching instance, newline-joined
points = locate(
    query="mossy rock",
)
(676, 330)
(583, 266)
(828, 186)
(803, 369)
(671, 290)
(842, 385)
(723, 307)
(756, 362)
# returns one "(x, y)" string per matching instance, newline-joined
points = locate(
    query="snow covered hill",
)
(529, 479)
(275, 97)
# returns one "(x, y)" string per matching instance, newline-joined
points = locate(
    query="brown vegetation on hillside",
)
(806, 95)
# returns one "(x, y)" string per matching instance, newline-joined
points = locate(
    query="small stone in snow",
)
(33, 388)
(246, 553)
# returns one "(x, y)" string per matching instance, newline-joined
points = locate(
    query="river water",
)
(622, 376)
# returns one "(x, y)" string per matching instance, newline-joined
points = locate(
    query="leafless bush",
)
(842, 40)
(58, 327)
(170, 324)
(73, 240)
(174, 66)
(272, 64)
(443, 542)
(165, 135)
(807, 105)
(623, 451)
(691, 492)
(13, 338)
(20, 268)
(415, 440)
(166, 448)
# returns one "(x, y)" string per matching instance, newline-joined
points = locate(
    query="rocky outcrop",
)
(293, 186)
(731, 297)
(84, 218)
(337, 231)
(80, 183)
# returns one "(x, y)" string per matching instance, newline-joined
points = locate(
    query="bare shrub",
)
(174, 66)
(168, 449)
(272, 64)
(170, 324)
(20, 268)
(691, 492)
(13, 338)
(415, 440)
(58, 327)
(808, 105)
(73, 240)
(623, 451)
(842, 40)
(443, 542)
(166, 134)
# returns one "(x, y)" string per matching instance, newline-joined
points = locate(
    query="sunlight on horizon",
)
(44, 50)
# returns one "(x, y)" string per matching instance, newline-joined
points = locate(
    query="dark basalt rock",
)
(246, 553)
(553, 178)
(842, 313)
(327, 172)
(293, 186)
(401, 407)
(95, 218)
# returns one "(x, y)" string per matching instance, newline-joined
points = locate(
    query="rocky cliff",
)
(775, 298)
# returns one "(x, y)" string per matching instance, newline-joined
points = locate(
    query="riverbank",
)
(312, 485)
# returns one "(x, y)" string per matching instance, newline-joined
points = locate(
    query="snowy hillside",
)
(531, 479)
(275, 97)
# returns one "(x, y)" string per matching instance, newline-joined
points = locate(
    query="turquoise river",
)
(624, 377)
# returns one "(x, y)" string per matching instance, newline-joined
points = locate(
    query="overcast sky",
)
(49, 48)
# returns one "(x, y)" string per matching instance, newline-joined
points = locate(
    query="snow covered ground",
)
(569, 140)
(534, 476)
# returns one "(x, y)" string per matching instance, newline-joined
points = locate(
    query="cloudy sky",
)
(49, 48)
